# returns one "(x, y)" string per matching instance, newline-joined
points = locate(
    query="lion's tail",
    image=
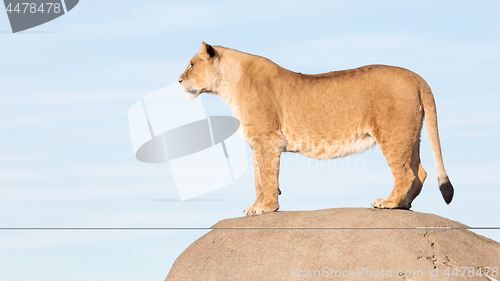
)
(430, 116)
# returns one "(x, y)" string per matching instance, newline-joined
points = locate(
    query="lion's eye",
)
(190, 66)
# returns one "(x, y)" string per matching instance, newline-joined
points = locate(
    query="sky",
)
(66, 157)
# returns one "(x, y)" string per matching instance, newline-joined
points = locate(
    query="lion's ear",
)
(210, 51)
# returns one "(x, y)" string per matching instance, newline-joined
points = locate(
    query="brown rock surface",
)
(355, 242)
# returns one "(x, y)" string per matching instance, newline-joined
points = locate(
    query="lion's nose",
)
(180, 81)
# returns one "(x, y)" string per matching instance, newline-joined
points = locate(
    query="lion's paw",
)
(384, 204)
(266, 207)
(250, 210)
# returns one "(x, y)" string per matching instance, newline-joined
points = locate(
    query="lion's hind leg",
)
(409, 175)
(419, 172)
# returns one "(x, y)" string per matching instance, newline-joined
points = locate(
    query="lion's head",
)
(202, 74)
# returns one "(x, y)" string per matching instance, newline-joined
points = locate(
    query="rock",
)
(354, 242)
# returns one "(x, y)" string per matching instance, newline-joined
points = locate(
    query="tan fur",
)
(322, 116)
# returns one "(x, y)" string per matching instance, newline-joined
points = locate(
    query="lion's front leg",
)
(268, 170)
(266, 156)
(258, 188)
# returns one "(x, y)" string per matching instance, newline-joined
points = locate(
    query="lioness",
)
(322, 116)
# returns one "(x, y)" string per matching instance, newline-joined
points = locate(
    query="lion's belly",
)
(328, 149)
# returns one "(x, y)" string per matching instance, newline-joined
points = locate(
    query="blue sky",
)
(66, 158)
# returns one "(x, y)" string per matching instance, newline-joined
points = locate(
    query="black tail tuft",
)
(446, 190)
